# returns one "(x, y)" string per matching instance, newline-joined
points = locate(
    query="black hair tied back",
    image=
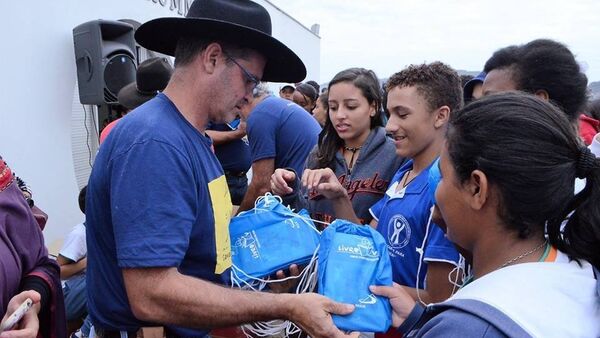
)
(586, 162)
(533, 167)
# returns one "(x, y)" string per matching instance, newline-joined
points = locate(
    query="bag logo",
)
(363, 250)
(292, 223)
(369, 300)
(398, 232)
(249, 241)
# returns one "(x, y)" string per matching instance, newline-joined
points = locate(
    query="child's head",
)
(420, 99)
(82, 199)
(354, 100)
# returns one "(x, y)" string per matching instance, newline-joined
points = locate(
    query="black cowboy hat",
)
(151, 77)
(243, 22)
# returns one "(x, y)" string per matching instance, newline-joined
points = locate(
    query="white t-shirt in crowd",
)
(75, 247)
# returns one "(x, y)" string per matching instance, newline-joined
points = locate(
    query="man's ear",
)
(211, 56)
(542, 94)
(478, 188)
(442, 115)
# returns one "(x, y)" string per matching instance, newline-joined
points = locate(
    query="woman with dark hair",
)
(321, 111)
(353, 144)
(542, 67)
(27, 272)
(305, 96)
(502, 189)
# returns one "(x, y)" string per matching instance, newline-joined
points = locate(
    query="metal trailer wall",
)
(42, 134)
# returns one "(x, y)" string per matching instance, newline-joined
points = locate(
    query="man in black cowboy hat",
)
(158, 207)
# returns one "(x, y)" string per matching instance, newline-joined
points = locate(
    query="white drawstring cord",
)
(307, 283)
(307, 279)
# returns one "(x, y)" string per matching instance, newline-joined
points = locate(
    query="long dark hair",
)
(368, 83)
(528, 149)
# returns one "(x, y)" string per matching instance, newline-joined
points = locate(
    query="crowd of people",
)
(486, 190)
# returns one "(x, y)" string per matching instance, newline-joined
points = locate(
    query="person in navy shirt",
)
(420, 101)
(158, 207)
(233, 152)
(281, 135)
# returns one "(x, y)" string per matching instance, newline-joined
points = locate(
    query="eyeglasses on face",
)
(251, 81)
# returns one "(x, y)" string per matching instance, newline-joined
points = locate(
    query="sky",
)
(387, 35)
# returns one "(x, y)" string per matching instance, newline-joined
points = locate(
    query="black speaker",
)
(106, 60)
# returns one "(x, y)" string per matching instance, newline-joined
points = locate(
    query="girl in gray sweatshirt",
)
(353, 144)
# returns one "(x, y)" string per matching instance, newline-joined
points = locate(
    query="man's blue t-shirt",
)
(233, 156)
(282, 130)
(157, 197)
(402, 220)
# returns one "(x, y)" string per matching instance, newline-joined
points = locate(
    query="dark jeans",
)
(237, 187)
(76, 301)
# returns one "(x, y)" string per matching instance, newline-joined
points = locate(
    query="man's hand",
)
(324, 182)
(242, 127)
(29, 325)
(402, 303)
(287, 285)
(280, 182)
(312, 313)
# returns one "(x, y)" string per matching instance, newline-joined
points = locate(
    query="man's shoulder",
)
(271, 102)
(156, 120)
(154, 114)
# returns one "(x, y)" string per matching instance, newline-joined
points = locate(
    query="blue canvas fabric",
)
(434, 178)
(269, 238)
(351, 258)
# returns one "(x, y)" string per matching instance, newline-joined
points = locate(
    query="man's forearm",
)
(69, 270)
(202, 304)
(221, 137)
(258, 187)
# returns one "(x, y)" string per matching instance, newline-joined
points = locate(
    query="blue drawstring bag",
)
(351, 258)
(269, 238)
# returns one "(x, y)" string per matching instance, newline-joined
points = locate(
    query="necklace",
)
(353, 150)
(406, 181)
(521, 256)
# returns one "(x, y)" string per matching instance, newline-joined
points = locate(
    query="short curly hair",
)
(437, 82)
(548, 65)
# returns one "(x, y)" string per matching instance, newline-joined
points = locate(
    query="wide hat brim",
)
(130, 98)
(161, 35)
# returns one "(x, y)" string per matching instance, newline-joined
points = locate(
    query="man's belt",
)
(235, 173)
(113, 334)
